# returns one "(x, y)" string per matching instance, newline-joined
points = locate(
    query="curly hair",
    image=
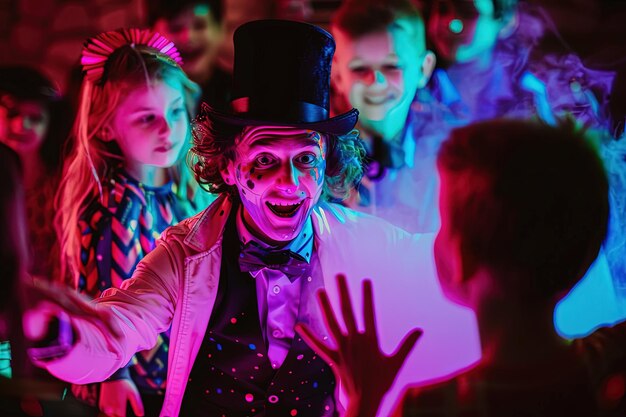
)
(214, 143)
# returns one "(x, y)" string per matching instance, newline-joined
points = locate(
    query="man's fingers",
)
(317, 345)
(76, 305)
(66, 298)
(406, 346)
(346, 304)
(35, 321)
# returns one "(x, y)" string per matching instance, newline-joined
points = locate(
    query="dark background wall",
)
(49, 33)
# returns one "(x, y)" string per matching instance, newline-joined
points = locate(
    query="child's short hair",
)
(214, 145)
(356, 18)
(169, 9)
(526, 199)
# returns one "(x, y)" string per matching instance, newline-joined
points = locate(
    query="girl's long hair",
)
(92, 159)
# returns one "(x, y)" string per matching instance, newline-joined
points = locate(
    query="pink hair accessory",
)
(98, 49)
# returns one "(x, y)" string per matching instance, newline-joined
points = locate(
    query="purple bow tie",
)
(254, 258)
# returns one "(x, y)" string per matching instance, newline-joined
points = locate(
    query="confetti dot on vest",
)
(294, 412)
(219, 390)
(219, 347)
(299, 357)
(206, 392)
(273, 399)
(234, 370)
(297, 398)
(99, 257)
(327, 407)
(260, 355)
(249, 398)
(315, 385)
(256, 367)
(233, 320)
(252, 346)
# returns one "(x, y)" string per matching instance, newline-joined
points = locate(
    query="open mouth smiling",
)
(284, 209)
(378, 99)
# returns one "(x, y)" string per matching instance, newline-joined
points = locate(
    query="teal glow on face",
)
(456, 26)
(379, 74)
(464, 31)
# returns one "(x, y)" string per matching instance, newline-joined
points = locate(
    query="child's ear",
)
(106, 134)
(428, 66)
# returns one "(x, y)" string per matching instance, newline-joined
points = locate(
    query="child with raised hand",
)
(124, 183)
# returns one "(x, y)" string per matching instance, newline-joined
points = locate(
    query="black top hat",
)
(282, 78)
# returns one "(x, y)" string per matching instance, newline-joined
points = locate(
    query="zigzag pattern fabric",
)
(117, 233)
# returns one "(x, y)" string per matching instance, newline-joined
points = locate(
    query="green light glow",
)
(456, 26)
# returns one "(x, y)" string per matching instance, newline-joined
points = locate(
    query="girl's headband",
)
(97, 50)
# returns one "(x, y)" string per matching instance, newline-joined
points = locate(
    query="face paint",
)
(279, 173)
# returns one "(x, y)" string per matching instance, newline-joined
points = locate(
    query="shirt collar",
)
(302, 244)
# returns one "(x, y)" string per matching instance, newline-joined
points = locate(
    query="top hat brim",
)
(338, 125)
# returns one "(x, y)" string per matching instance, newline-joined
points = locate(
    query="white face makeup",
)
(279, 173)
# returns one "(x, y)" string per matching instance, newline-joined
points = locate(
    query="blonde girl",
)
(124, 182)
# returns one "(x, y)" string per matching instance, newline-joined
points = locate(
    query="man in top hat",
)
(234, 280)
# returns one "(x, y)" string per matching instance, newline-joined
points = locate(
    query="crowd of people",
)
(185, 237)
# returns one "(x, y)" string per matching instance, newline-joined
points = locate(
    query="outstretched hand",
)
(47, 302)
(365, 371)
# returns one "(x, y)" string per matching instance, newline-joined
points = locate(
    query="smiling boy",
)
(380, 64)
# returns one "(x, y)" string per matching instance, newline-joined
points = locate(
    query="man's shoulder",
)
(180, 230)
(333, 221)
(202, 231)
(337, 216)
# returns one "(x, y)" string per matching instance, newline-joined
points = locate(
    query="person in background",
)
(519, 228)
(502, 58)
(124, 183)
(196, 28)
(381, 62)
(35, 122)
(233, 280)
(14, 256)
